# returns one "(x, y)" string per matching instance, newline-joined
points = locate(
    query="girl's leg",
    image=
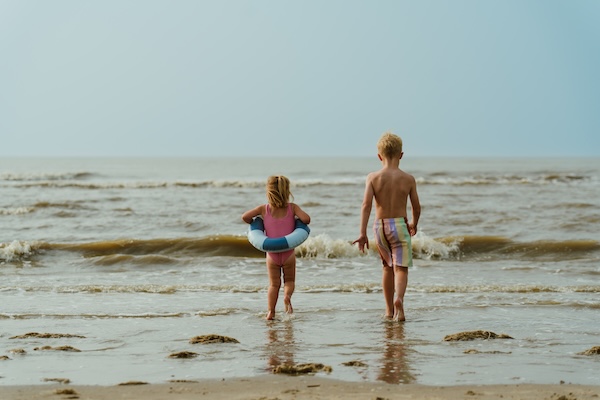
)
(274, 284)
(289, 282)
(387, 283)
(400, 282)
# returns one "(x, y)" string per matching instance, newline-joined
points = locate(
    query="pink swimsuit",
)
(278, 227)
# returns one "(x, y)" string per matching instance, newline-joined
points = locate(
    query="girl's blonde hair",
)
(278, 191)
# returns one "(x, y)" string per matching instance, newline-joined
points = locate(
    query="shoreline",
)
(296, 387)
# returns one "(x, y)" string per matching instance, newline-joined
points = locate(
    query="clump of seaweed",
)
(591, 352)
(474, 335)
(64, 381)
(206, 339)
(475, 351)
(65, 392)
(132, 383)
(183, 354)
(58, 348)
(5, 358)
(300, 369)
(354, 363)
(17, 351)
(557, 396)
(47, 336)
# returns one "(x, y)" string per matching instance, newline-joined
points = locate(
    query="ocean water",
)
(137, 256)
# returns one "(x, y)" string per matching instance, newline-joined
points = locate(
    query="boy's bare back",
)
(391, 188)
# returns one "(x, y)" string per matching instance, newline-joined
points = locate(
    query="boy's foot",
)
(399, 311)
(270, 316)
(288, 306)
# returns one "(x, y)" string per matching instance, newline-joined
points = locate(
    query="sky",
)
(200, 78)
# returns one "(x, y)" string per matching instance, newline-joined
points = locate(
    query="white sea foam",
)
(428, 248)
(16, 211)
(15, 250)
(424, 247)
(323, 246)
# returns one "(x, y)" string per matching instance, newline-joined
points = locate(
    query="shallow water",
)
(141, 255)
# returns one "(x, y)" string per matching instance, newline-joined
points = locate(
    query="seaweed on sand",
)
(205, 339)
(591, 352)
(300, 369)
(47, 336)
(58, 348)
(183, 354)
(474, 335)
(354, 363)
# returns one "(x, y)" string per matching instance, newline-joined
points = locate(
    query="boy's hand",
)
(412, 230)
(363, 242)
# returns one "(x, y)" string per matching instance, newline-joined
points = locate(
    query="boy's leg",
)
(387, 283)
(274, 284)
(289, 282)
(400, 283)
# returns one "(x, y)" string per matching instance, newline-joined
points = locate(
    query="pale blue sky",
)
(308, 78)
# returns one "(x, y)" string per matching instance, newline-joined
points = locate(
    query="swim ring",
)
(258, 238)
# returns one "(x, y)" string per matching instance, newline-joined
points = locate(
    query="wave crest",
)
(142, 252)
(16, 250)
(16, 211)
(33, 177)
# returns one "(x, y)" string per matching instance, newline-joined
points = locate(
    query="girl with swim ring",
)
(279, 216)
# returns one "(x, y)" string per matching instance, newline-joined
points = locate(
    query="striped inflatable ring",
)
(258, 239)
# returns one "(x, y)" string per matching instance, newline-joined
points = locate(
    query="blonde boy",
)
(391, 188)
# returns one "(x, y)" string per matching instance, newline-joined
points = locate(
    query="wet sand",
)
(302, 387)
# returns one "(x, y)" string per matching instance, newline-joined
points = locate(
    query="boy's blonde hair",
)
(389, 145)
(278, 191)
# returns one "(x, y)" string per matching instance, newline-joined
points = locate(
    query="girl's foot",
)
(288, 305)
(399, 310)
(270, 316)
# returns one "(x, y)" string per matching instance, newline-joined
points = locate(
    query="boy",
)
(391, 188)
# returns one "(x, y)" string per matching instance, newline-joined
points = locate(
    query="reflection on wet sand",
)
(394, 364)
(281, 347)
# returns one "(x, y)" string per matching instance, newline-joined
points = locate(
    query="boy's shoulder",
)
(405, 173)
(389, 171)
(394, 175)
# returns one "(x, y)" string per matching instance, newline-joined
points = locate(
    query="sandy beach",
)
(302, 387)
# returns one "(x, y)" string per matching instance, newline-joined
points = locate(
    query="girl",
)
(279, 218)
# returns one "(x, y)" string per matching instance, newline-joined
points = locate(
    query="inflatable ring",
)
(258, 239)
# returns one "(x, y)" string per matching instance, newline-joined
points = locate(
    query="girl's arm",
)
(302, 216)
(250, 214)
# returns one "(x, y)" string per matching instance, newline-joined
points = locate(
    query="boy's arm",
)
(416, 209)
(367, 204)
(250, 214)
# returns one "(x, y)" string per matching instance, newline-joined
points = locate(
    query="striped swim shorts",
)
(393, 242)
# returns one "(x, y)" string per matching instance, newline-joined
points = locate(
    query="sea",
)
(125, 260)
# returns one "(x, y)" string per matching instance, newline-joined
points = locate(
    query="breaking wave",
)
(142, 252)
